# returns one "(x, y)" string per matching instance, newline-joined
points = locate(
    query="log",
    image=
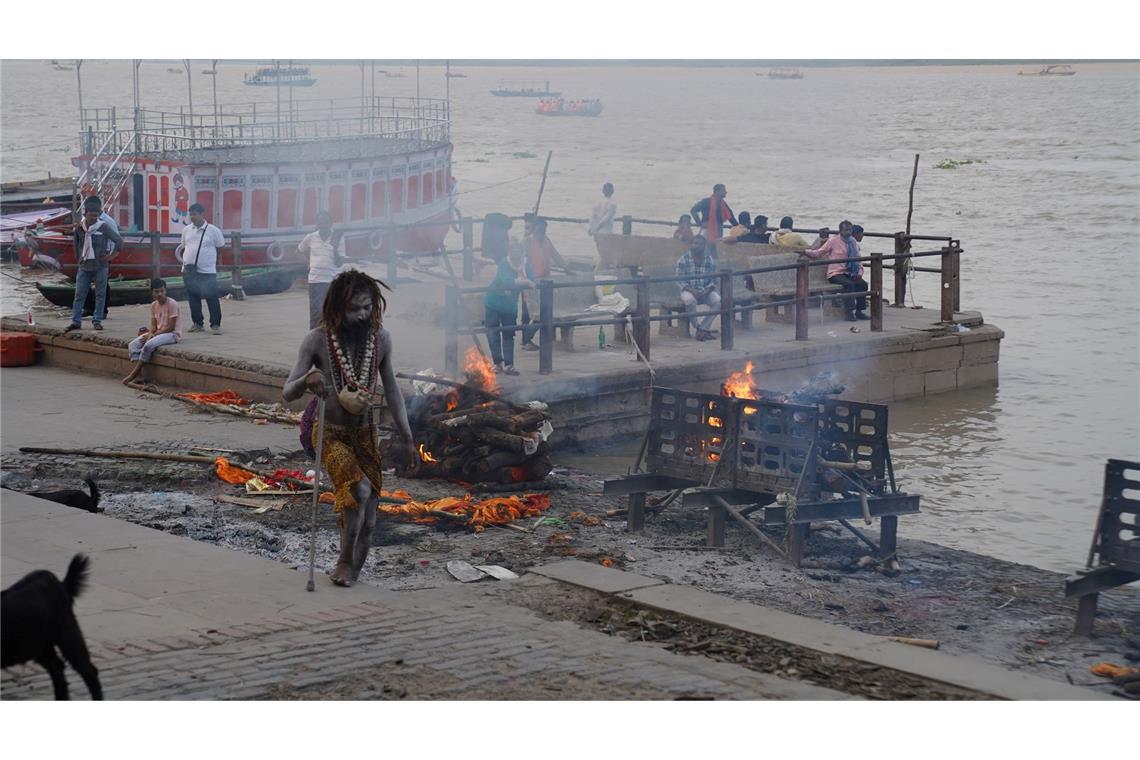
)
(504, 441)
(498, 460)
(925, 643)
(119, 454)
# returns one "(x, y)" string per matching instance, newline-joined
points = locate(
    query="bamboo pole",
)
(543, 185)
(910, 204)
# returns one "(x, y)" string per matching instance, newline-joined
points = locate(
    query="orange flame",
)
(741, 384)
(480, 371)
(425, 455)
(716, 422)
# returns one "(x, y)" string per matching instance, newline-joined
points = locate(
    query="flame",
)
(425, 455)
(741, 384)
(480, 371)
(452, 400)
(716, 422)
(518, 474)
(714, 457)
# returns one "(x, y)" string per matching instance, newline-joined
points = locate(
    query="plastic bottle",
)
(601, 337)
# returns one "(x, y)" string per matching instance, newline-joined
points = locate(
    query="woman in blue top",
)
(502, 308)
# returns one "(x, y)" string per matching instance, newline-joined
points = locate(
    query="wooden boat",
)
(785, 74)
(256, 281)
(265, 174)
(1052, 70)
(524, 88)
(560, 107)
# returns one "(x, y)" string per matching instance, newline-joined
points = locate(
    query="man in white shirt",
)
(325, 262)
(602, 219)
(200, 243)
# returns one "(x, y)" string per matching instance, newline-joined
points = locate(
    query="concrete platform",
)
(822, 637)
(594, 394)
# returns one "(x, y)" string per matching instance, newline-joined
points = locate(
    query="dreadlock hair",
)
(343, 287)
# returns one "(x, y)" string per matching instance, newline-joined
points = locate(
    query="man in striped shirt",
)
(699, 285)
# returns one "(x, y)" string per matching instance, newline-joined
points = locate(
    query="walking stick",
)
(310, 586)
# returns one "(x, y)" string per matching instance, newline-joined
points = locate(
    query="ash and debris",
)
(1005, 613)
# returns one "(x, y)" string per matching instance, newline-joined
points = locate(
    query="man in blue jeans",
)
(96, 243)
(200, 243)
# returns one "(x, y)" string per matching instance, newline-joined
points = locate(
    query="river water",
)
(1047, 214)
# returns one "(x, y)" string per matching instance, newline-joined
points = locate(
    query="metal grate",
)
(1119, 536)
(687, 434)
(775, 446)
(858, 433)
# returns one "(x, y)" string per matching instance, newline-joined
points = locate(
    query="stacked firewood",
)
(466, 434)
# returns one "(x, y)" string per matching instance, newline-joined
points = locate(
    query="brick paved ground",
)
(171, 618)
(458, 644)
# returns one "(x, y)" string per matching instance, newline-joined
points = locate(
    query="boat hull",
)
(137, 257)
(255, 282)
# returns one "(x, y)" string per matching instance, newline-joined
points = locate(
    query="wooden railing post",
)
(641, 323)
(156, 256)
(546, 327)
(947, 273)
(876, 293)
(902, 245)
(450, 334)
(627, 225)
(727, 316)
(236, 289)
(801, 301)
(468, 249)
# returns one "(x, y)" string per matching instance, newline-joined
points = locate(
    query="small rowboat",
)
(255, 281)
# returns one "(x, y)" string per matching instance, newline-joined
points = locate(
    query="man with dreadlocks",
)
(342, 360)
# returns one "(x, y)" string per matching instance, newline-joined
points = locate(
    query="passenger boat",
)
(13, 227)
(380, 166)
(1052, 70)
(524, 88)
(560, 107)
(785, 74)
(255, 281)
(283, 76)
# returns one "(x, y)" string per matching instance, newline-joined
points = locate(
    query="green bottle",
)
(601, 337)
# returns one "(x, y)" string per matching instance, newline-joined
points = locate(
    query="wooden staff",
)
(925, 643)
(910, 205)
(543, 185)
(120, 455)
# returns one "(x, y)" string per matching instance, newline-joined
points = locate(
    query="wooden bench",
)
(781, 285)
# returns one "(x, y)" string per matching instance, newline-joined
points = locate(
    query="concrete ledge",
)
(962, 672)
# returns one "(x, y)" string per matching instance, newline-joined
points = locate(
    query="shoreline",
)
(1003, 613)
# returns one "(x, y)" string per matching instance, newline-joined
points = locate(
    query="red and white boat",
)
(380, 166)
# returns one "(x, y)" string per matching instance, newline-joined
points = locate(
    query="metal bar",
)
(236, 288)
(641, 321)
(888, 536)
(860, 535)
(947, 285)
(451, 337)
(801, 302)
(627, 225)
(876, 293)
(747, 524)
(715, 526)
(848, 509)
(546, 327)
(155, 256)
(1094, 581)
(645, 483)
(1086, 615)
(468, 250)
(635, 518)
(727, 314)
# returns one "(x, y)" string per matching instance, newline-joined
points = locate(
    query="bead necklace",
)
(358, 374)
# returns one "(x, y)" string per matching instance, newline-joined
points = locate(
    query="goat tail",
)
(94, 492)
(76, 577)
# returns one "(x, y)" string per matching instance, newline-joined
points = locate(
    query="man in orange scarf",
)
(713, 214)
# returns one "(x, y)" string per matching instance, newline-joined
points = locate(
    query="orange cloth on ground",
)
(230, 473)
(1111, 670)
(220, 397)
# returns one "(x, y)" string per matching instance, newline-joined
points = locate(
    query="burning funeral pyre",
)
(466, 432)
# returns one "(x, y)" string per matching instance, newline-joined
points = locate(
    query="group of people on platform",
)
(711, 221)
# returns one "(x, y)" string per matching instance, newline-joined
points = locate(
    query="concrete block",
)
(980, 352)
(594, 577)
(940, 381)
(935, 359)
(977, 375)
(909, 386)
(982, 333)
